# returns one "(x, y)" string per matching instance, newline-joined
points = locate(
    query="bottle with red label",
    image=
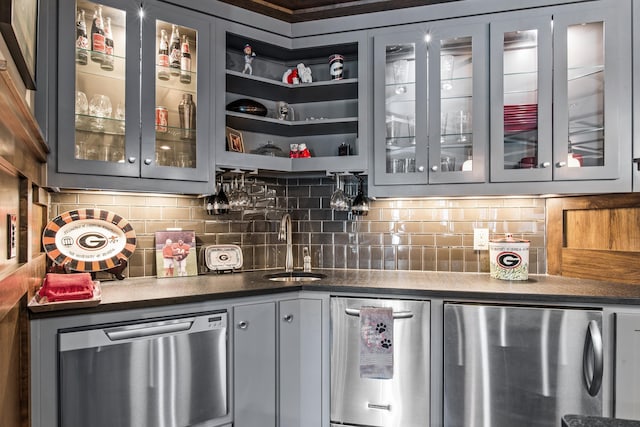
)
(107, 61)
(163, 56)
(174, 52)
(82, 42)
(185, 61)
(97, 36)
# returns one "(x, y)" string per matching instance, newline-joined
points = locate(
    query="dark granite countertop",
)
(149, 292)
(588, 421)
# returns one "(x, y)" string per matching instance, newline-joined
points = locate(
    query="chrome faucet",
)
(285, 234)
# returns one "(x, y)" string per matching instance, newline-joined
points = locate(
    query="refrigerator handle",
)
(396, 314)
(592, 363)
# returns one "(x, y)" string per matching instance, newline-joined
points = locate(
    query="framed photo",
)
(176, 253)
(18, 25)
(234, 140)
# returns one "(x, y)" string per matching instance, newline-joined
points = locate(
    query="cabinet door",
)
(254, 365)
(627, 366)
(588, 98)
(176, 119)
(99, 130)
(300, 362)
(458, 115)
(521, 99)
(400, 108)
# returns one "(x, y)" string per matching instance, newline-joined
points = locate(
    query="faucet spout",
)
(285, 235)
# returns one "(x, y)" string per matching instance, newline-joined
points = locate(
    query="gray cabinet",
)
(525, 97)
(254, 365)
(278, 363)
(557, 58)
(430, 130)
(125, 131)
(627, 365)
(300, 350)
(323, 114)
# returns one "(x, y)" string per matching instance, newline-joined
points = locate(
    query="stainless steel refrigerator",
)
(519, 365)
(400, 401)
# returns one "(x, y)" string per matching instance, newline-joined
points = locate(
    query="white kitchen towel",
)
(376, 342)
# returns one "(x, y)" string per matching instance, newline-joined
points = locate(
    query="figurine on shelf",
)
(304, 73)
(291, 76)
(249, 56)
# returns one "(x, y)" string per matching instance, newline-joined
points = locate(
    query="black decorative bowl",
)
(247, 106)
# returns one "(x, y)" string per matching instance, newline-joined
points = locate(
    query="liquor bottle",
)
(185, 61)
(82, 42)
(174, 52)
(163, 56)
(97, 36)
(107, 62)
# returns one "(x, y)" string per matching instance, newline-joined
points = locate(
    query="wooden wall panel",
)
(595, 237)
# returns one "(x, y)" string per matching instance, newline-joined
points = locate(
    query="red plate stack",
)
(520, 118)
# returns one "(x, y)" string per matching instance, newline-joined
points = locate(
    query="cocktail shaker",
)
(187, 112)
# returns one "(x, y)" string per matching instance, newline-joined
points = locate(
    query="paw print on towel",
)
(385, 343)
(381, 327)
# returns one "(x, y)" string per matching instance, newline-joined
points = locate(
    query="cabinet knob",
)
(243, 324)
(545, 164)
(561, 164)
(288, 318)
(132, 159)
(147, 161)
(420, 168)
(434, 168)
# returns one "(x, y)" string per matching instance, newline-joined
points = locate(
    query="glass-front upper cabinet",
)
(93, 134)
(521, 99)
(587, 94)
(135, 111)
(458, 115)
(175, 85)
(400, 108)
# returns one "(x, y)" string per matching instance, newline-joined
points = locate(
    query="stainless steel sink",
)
(294, 276)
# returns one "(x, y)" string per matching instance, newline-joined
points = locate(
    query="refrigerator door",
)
(402, 401)
(507, 366)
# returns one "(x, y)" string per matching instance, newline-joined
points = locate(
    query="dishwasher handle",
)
(396, 314)
(147, 330)
(592, 359)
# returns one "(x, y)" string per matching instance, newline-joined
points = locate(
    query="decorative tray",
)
(37, 307)
(89, 240)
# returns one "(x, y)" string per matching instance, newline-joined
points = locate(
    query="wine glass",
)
(243, 199)
(339, 200)
(100, 107)
(360, 204)
(120, 115)
(220, 203)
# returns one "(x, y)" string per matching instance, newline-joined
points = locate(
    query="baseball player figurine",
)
(249, 55)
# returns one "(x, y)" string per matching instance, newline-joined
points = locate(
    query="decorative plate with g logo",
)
(89, 239)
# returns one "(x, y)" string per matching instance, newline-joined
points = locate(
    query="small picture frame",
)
(176, 253)
(234, 140)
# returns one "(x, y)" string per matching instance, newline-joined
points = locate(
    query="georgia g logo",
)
(508, 259)
(92, 241)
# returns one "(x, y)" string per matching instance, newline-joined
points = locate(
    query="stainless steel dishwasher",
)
(165, 372)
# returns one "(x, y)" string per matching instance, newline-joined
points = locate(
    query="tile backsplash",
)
(434, 234)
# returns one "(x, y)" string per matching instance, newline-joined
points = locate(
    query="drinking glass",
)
(120, 115)
(82, 105)
(400, 75)
(464, 125)
(243, 200)
(446, 71)
(339, 200)
(100, 108)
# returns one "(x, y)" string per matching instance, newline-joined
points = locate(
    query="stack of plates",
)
(520, 118)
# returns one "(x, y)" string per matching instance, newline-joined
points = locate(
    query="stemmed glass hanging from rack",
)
(339, 200)
(360, 205)
(218, 203)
